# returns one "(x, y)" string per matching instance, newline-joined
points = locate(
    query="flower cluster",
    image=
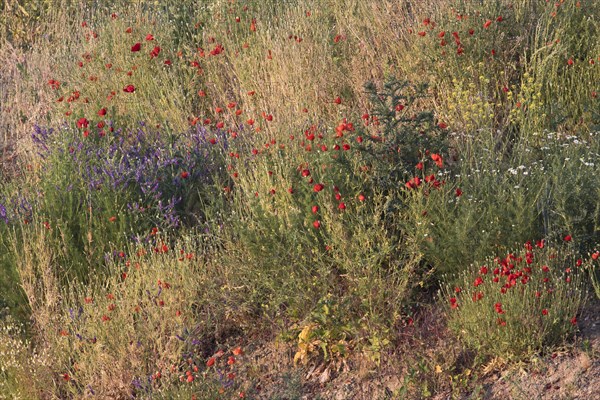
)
(521, 301)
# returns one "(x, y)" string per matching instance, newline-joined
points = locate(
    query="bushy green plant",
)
(552, 86)
(318, 213)
(539, 186)
(313, 204)
(93, 196)
(20, 361)
(131, 331)
(520, 304)
(571, 201)
(563, 63)
(487, 203)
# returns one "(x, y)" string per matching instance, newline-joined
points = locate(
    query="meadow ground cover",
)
(187, 185)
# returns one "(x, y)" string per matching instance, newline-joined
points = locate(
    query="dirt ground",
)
(411, 370)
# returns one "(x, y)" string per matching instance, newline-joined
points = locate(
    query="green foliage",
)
(562, 62)
(524, 68)
(539, 187)
(571, 202)
(407, 133)
(326, 334)
(137, 321)
(517, 305)
(16, 364)
(320, 214)
(498, 147)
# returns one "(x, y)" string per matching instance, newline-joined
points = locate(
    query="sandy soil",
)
(409, 372)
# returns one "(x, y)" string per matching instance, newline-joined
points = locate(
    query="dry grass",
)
(345, 279)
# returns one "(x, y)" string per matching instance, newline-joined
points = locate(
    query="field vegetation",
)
(186, 184)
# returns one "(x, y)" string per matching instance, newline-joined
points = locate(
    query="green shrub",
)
(535, 187)
(131, 330)
(317, 214)
(520, 304)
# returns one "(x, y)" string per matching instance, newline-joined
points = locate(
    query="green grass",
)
(443, 132)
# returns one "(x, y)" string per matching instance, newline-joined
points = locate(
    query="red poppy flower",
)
(54, 84)
(102, 112)
(136, 47)
(217, 50)
(184, 175)
(478, 281)
(315, 209)
(317, 224)
(458, 192)
(337, 100)
(318, 187)
(155, 52)
(129, 89)
(342, 206)
(439, 161)
(568, 238)
(82, 123)
(453, 302)
(237, 351)
(477, 296)
(487, 23)
(149, 37)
